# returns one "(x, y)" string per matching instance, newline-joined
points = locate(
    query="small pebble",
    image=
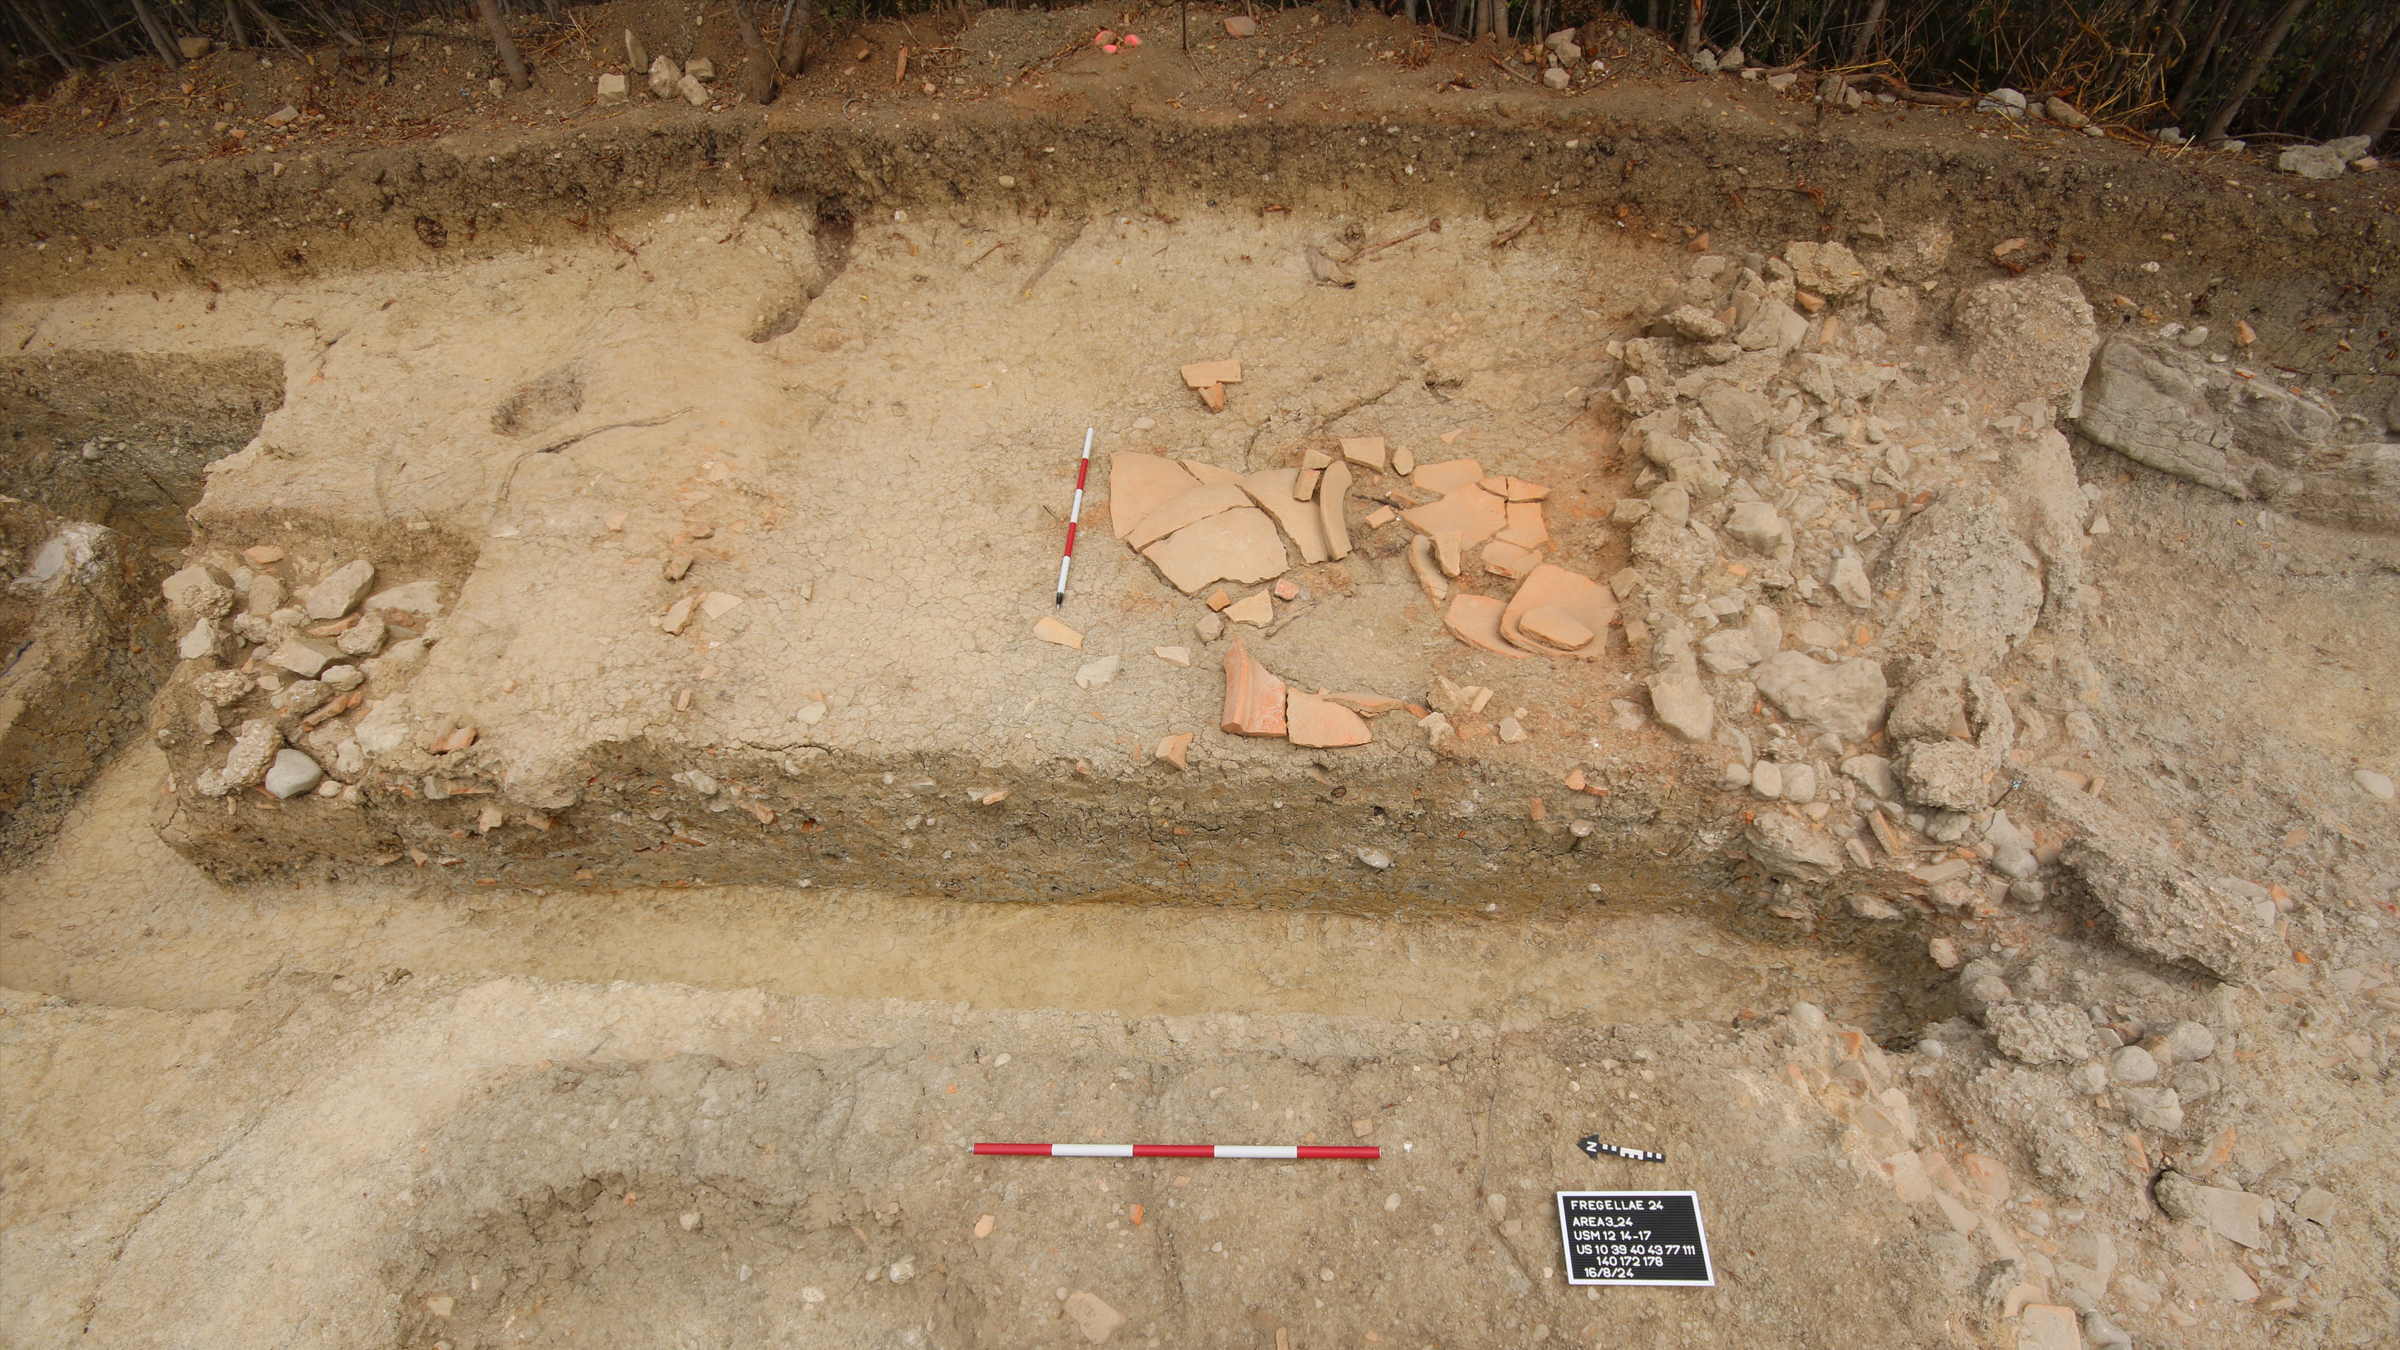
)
(2378, 785)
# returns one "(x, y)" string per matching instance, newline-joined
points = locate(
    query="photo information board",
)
(1634, 1237)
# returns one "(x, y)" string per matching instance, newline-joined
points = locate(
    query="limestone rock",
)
(337, 593)
(419, 598)
(364, 638)
(1097, 674)
(1095, 1319)
(1744, 417)
(1681, 701)
(1662, 548)
(2311, 161)
(254, 745)
(2034, 332)
(665, 74)
(1874, 773)
(1829, 269)
(1693, 466)
(1932, 706)
(2179, 414)
(1846, 698)
(1254, 696)
(1788, 848)
(199, 592)
(2041, 1033)
(223, 688)
(301, 658)
(2158, 905)
(1757, 525)
(291, 774)
(1969, 588)
(1692, 323)
(1729, 651)
(1948, 775)
(1776, 327)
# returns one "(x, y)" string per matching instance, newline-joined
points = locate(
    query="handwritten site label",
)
(1634, 1237)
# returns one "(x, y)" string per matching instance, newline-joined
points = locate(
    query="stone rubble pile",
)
(291, 669)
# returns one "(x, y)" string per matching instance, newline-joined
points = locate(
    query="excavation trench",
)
(610, 829)
(841, 447)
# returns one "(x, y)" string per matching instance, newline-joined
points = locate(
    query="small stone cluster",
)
(298, 659)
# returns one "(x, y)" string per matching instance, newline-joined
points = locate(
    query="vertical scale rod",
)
(1074, 514)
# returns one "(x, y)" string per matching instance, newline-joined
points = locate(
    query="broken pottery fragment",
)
(1209, 473)
(1300, 519)
(1175, 749)
(1365, 705)
(1051, 630)
(1139, 484)
(1210, 379)
(1237, 545)
(1450, 552)
(1507, 560)
(1476, 515)
(1185, 508)
(1515, 489)
(1584, 602)
(1333, 503)
(1382, 516)
(1526, 528)
(1364, 450)
(1175, 656)
(1421, 562)
(1255, 609)
(678, 615)
(1476, 621)
(1448, 476)
(1254, 696)
(1201, 374)
(1322, 724)
(1403, 462)
(1554, 627)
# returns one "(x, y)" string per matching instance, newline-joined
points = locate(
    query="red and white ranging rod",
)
(1285, 1152)
(1067, 559)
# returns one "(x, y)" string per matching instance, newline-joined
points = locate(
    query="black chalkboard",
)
(1634, 1237)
